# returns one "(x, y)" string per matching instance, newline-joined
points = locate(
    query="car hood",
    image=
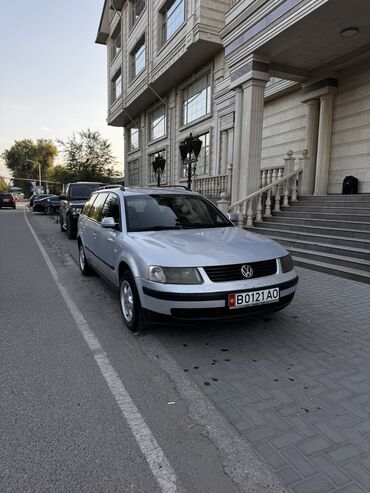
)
(206, 247)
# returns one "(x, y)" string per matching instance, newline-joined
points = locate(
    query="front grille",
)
(225, 273)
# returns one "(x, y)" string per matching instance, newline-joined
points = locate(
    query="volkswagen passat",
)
(173, 255)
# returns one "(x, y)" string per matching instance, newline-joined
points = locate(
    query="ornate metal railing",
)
(269, 198)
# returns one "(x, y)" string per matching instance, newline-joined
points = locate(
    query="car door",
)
(85, 229)
(91, 231)
(107, 237)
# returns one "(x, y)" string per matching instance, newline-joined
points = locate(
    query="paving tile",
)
(295, 384)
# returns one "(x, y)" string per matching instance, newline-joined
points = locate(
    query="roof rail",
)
(183, 187)
(113, 185)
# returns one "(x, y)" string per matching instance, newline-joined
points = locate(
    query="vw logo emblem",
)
(247, 271)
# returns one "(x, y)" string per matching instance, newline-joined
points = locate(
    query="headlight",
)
(175, 275)
(286, 263)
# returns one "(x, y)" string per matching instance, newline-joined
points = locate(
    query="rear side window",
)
(111, 207)
(97, 207)
(87, 206)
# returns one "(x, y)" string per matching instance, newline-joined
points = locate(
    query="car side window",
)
(97, 207)
(111, 208)
(87, 207)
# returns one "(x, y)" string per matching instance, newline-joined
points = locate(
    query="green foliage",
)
(88, 157)
(3, 186)
(20, 156)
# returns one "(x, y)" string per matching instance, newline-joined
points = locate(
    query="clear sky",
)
(53, 77)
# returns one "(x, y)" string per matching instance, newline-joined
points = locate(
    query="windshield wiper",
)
(201, 226)
(157, 228)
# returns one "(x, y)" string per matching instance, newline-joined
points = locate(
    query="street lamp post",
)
(36, 162)
(189, 150)
(158, 167)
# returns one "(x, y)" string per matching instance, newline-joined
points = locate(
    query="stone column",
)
(238, 120)
(125, 154)
(312, 130)
(324, 144)
(223, 154)
(251, 135)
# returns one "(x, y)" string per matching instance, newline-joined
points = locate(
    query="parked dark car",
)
(71, 204)
(37, 197)
(41, 203)
(52, 205)
(7, 200)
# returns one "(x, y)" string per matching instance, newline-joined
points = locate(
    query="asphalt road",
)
(85, 405)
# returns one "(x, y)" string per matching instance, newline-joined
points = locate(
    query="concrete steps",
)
(326, 233)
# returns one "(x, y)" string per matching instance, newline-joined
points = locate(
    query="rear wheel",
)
(82, 261)
(130, 303)
(71, 228)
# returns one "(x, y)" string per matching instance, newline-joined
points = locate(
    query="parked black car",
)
(40, 204)
(52, 205)
(36, 196)
(71, 204)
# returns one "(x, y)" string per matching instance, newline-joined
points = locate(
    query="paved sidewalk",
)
(295, 384)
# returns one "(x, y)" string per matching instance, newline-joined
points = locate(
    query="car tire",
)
(61, 223)
(82, 261)
(71, 229)
(130, 303)
(14, 207)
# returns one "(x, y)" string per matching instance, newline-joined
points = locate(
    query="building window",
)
(173, 15)
(133, 139)
(133, 172)
(137, 8)
(138, 58)
(152, 177)
(158, 123)
(203, 158)
(196, 99)
(116, 41)
(116, 86)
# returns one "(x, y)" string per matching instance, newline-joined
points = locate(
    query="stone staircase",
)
(326, 233)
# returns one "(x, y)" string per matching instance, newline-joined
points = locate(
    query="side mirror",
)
(108, 222)
(233, 217)
(63, 196)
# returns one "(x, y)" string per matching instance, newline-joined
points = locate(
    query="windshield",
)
(82, 192)
(161, 212)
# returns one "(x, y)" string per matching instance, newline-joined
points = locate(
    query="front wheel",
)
(61, 222)
(130, 303)
(71, 228)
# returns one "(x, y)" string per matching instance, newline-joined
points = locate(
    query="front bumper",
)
(207, 303)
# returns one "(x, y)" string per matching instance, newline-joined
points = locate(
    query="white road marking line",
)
(154, 455)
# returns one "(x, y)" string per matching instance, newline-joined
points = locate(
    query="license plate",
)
(239, 300)
(5, 200)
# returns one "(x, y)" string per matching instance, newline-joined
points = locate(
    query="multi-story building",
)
(252, 78)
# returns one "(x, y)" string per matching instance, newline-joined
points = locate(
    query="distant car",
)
(40, 204)
(7, 200)
(71, 204)
(173, 255)
(37, 197)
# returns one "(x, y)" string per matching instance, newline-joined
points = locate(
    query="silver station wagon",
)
(175, 257)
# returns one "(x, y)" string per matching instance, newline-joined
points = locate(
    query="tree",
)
(88, 157)
(3, 185)
(20, 156)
